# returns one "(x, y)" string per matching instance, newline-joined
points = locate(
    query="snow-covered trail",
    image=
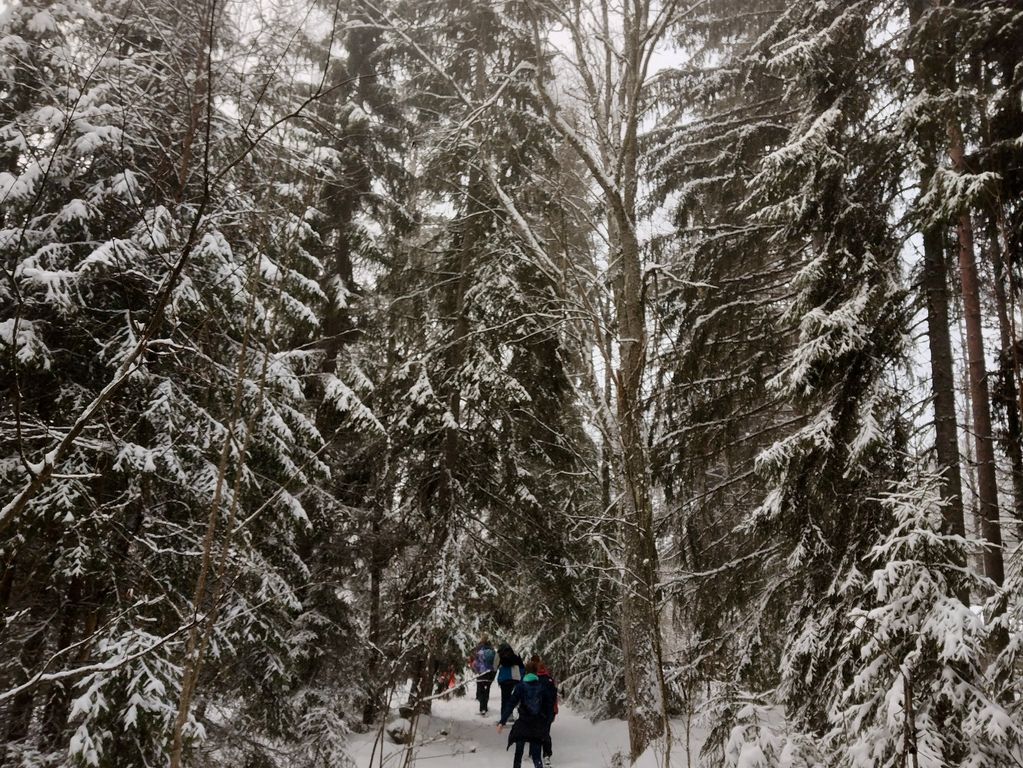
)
(456, 735)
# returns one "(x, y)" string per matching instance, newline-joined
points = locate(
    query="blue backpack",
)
(484, 660)
(532, 699)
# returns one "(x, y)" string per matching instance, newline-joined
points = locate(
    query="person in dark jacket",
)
(547, 679)
(509, 672)
(482, 659)
(536, 711)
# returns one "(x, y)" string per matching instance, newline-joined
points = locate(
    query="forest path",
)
(456, 735)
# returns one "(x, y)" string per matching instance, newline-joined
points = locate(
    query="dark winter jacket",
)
(548, 679)
(510, 666)
(529, 695)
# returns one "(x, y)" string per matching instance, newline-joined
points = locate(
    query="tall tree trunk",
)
(934, 283)
(971, 516)
(614, 90)
(641, 636)
(641, 630)
(1007, 391)
(987, 482)
(946, 436)
(1000, 255)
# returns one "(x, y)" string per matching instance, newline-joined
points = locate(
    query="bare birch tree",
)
(609, 51)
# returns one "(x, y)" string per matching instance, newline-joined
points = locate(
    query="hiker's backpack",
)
(532, 699)
(484, 660)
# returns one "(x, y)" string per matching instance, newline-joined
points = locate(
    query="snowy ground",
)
(457, 736)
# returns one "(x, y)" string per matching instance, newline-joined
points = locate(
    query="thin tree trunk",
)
(198, 633)
(641, 635)
(1010, 258)
(19, 714)
(56, 711)
(372, 707)
(197, 94)
(971, 516)
(7, 581)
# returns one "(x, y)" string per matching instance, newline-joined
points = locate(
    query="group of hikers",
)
(528, 686)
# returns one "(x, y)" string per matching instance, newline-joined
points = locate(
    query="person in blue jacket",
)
(536, 712)
(509, 672)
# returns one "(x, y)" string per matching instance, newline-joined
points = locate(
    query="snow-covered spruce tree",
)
(918, 691)
(81, 256)
(703, 160)
(473, 363)
(439, 372)
(827, 190)
(717, 293)
(358, 150)
(100, 567)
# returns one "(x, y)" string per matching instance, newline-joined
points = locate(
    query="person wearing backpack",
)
(547, 679)
(481, 661)
(509, 672)
(536, 711)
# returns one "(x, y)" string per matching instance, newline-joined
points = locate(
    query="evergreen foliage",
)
(334, 334)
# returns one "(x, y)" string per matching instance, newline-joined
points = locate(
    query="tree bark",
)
(641, 636)
(946, 436)
(934, 283)
(1008, 393)
(641, 631)
(7, 581)
(612, 158)
(987, 481)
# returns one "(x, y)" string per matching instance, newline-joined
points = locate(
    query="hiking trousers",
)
(507, 686)
(535, 749)
(483, 691)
